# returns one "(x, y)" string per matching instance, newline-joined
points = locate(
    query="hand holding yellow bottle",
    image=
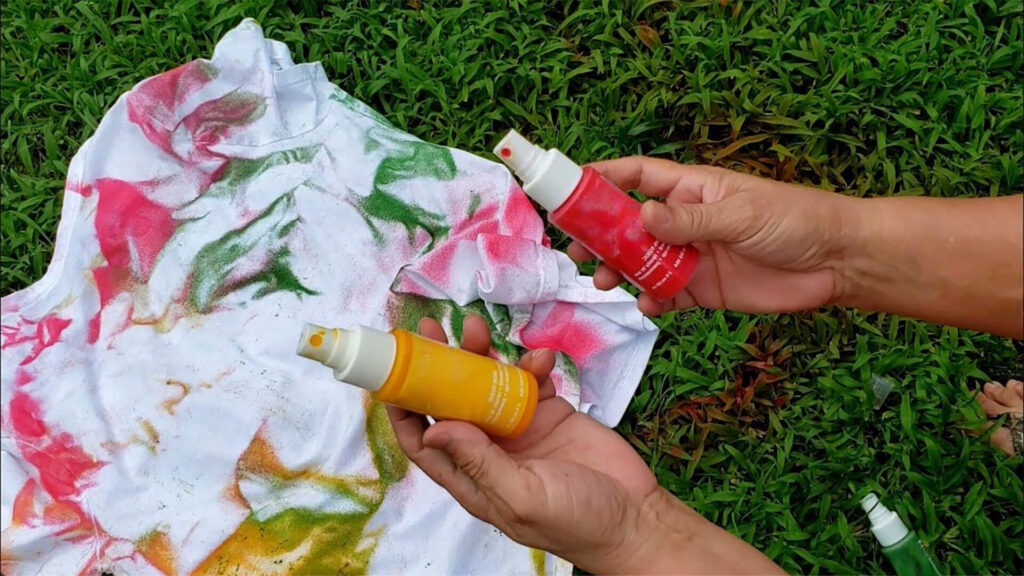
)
(428, 377)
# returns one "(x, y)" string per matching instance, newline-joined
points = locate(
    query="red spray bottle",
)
(598, 215)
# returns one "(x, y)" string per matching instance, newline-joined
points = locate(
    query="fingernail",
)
(534, 355)
(544, 354)
(440, 442)
(654, 214)
(990, 386)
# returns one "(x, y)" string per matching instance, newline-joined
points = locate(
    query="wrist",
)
(852, 252)
(660, 531)
(668, 537)
(669, 532)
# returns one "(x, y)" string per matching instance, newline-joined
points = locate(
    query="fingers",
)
(476, 338)
(649, 176)
(430, 328)
(539, 362)
(578, 253)
(488, 468)
(605, 278)
(549, 415)
(651, 307)
(730, 220)
(460, 457)
(476, 335)
(545, 390)
(409, 428)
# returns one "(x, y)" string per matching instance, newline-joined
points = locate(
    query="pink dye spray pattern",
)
(131, 230)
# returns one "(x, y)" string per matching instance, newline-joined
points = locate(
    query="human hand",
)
(766, 246)
(568, 485)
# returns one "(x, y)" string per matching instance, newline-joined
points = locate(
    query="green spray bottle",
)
(899, 544)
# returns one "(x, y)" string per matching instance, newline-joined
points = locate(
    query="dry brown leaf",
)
(649, 36)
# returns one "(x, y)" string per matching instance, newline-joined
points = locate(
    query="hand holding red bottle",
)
(599, 216)
(765, 246)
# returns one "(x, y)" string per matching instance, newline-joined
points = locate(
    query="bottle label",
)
(452, 384)
(607, 222)
(506, 383)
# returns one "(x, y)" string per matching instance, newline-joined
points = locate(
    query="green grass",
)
(866, 98)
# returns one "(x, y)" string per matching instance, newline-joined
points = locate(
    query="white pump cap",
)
(548, 176)
(885, 524)
(362, 356)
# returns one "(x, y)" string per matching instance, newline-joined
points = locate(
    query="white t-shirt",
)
(155, 415)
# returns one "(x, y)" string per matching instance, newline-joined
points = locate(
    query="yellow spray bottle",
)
(428, 377)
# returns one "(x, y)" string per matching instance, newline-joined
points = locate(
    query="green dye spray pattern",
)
(215, 270)
(406, 158)
(406, 310)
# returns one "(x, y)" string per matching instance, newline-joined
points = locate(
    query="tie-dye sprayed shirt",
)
(155, 417)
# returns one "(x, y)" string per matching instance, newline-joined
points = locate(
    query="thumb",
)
(475, 455)
(722, 221)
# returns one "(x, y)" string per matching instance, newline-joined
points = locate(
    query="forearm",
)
(670, 538)
(950, 261)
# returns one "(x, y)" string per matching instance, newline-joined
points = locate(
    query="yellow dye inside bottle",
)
(428, 377)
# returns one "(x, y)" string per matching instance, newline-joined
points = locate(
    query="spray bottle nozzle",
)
(886, 525)
(360, 356)
(519, 154)
(869, 502)
(548, 176)
(317, 343)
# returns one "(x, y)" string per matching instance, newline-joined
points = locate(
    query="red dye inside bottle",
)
(600, 216)
(606, 221)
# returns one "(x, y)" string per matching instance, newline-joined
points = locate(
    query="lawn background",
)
(763, 424)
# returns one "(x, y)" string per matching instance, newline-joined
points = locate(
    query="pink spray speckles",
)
(42, 335)
(152, 106)
(503, 229)
(557, 328)
(161, 94)
(64, 469)
(82, 189)
(507, 251)
(213, 121)
(155, 108)
(131, 230)
(436, 266)
(206, 126)
(520, 218)
(25, 418)
(21, 377)
(62, 464)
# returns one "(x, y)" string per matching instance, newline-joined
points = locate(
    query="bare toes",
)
(1001, 439)
(1005, 395)
(1017, 388)
(991, 406)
